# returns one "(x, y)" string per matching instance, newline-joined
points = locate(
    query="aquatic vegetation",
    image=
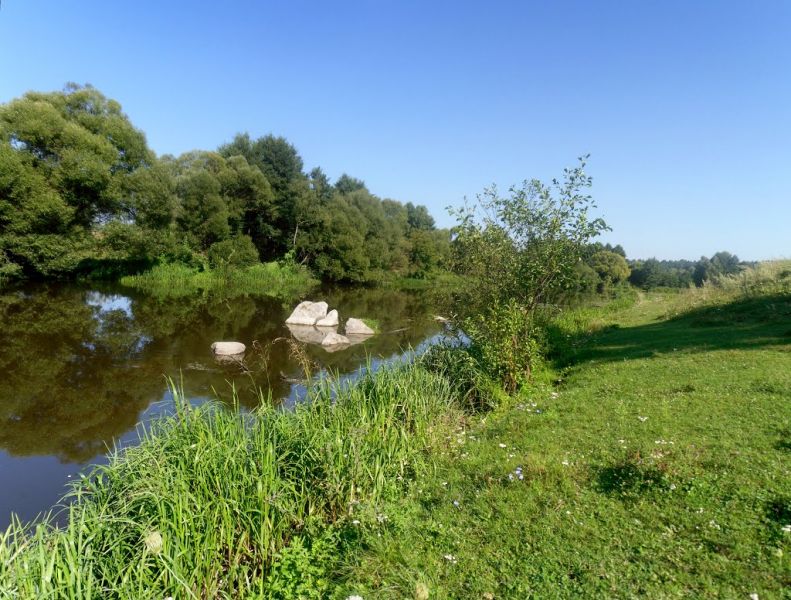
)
(277, 279)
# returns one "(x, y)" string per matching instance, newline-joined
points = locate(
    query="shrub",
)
(235, 252)
(505, 341)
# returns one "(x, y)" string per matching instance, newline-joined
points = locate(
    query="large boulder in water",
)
(358, 327)
(331, 320)
(228, 348)
(307, 313)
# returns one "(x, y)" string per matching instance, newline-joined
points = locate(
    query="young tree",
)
(518, 252)
(525, 246)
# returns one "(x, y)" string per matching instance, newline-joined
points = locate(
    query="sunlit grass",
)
(202, 507)
(655, 466)
(271, 279)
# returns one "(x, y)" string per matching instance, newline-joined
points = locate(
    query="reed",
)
(206, 503)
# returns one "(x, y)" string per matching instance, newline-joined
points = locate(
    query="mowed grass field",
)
(654, 462)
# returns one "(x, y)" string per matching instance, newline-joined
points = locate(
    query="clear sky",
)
(685, 107)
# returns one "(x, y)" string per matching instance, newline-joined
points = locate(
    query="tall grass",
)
(277, 279)
(768, 277)
(210, 499)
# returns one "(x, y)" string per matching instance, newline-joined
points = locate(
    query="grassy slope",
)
(658, 467)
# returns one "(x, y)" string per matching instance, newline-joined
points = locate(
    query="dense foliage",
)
(519, 253)
(81, 193)
(653, 273)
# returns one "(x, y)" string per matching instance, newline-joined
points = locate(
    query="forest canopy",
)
(81, 193)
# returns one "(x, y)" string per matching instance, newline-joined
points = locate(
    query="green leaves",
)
(525, 246)
(65, 158)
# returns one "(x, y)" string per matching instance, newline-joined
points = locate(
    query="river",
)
(82, 368)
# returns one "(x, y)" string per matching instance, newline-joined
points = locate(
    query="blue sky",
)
(685, 107)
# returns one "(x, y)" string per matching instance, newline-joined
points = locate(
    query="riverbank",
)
(650, 460)
(284, 280)
(656, 465)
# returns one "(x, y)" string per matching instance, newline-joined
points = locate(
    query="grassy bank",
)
(651, 459)
(440, 279)
(218, 504)
(282, 280)
(657, 466)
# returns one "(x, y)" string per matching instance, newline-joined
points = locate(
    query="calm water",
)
(81, 367)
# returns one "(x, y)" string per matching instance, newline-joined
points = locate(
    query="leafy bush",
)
(300, 569)
(234, 252)
(506, 343)
(520, 252)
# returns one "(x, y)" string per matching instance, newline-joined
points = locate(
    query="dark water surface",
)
(81, 367)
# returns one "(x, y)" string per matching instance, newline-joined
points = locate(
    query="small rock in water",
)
(307, 313)
(228, 348)
(331, 320)
(358, 327)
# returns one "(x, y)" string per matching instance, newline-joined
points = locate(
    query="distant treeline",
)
(82, 194)
(604, 265)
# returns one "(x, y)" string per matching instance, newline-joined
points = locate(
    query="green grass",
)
(441, 279)
(373, 324)
(270, 279)
(658, 466)
(651, 459)
(221, 504)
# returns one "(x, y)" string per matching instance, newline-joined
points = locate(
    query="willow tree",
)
(67, 161)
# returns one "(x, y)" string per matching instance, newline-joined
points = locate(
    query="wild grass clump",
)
(283, 279)
(765, 278)
(217, 504)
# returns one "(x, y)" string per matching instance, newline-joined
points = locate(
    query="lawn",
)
(657, 464)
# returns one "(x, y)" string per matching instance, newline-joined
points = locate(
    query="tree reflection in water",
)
(81, 367)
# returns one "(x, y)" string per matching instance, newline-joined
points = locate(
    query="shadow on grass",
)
(784, 443)
(778, 510)
(629, 479)
(744, 324)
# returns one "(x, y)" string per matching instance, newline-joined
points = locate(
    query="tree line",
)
(81, 193)
(603, 266)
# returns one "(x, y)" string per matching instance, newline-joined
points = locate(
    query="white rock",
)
(308, 334)
(228, 348)
(307, 313)
(357, 327)
(335, 339)
(331, 320)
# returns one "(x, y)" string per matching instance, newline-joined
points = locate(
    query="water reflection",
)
(81, 367)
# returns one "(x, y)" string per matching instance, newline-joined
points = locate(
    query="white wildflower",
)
(153, 542)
